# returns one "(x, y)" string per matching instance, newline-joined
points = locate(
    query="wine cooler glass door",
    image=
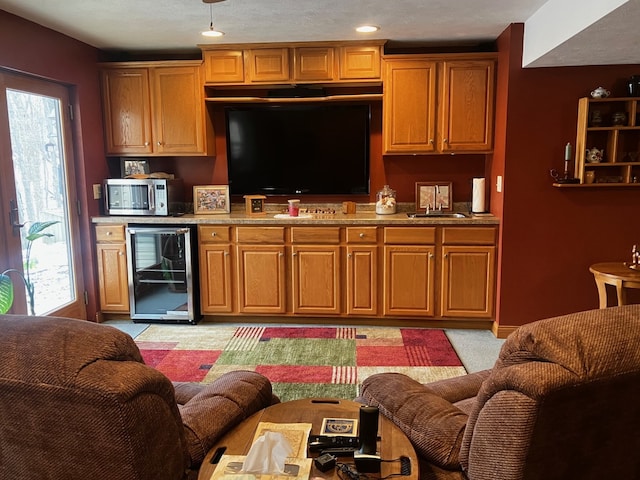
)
(160, 274)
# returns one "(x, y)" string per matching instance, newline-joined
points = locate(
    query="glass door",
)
(161, 284)
(40, 227)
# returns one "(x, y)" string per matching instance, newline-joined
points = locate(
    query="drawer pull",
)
(109, 232)
(213, 234)
(361, 235)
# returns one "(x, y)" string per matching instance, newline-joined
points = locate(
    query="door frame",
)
(11, 243)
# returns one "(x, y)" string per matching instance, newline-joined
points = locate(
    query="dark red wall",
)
(30, 48)
(550, 236)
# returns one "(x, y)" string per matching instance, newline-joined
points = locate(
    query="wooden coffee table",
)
(392, 442)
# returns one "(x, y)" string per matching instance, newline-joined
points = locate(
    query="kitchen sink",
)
(437, 214)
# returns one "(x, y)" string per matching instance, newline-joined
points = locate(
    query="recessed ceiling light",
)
(367, 29)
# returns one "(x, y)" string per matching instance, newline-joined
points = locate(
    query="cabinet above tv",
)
(293, 63)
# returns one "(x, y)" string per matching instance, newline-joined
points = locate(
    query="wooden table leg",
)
(602, 290)
(621, 293)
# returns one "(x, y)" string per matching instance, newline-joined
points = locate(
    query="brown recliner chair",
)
(561, 402)
(78, 402)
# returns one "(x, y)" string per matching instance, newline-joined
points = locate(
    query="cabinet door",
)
(215, 278)
(360, 63)
(268, 65)
(468, 281)
(362, 279)
(316, 279)
(223, 66)
(112, 277)
(313, 64)
(260, 279)
(127, 111)
(409, 280)
(467, 106)
(178, 111)
(409, 106)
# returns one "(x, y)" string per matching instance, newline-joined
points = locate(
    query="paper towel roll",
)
(477, 199)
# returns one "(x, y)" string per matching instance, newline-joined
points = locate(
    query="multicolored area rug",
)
(300, 361)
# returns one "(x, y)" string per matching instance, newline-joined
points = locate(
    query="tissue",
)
(477, 199)
(268, 454)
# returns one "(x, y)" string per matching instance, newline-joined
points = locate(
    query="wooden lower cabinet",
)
(362, 280)
(260, 279)
(215, 269)
(316, 279)
(435, 272)
(111, 252)
(408, 280)
(467, 281)
(468, 272)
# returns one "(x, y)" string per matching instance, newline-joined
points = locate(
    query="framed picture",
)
(133, 166)
(435, 195)
(211, 199)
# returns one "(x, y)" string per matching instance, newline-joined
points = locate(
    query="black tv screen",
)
(298, 149)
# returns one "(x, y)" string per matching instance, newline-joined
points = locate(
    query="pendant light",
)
(212, 32)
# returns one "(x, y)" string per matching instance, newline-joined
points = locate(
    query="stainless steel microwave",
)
(148, 196)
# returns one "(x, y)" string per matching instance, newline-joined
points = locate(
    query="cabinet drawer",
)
(410, 235)
(468, 236)
(315, 234)
(213, 234)
(361, 234)
(110, 233)
(260, 234)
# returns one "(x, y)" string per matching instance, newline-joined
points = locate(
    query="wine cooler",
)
(162, 287)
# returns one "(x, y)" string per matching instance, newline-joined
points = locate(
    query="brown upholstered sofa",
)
(561, 402)
(78, 402)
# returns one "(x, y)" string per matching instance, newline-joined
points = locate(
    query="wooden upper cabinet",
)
(178, 111)
(409, 106)
(268, 65)
(223, 66)
(127, 110)
(360, 62)
(155, 109)
(286, 63)
(467, 107)
(437, 104)
(313, 64)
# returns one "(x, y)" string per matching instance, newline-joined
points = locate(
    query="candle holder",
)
(566, 178)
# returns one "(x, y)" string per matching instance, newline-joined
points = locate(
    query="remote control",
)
(323, 442)
(339, 451)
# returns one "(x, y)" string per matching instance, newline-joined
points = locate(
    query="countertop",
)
(241, 218)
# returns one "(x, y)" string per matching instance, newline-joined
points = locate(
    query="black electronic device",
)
(285, 149)
(366, 457)
(368, 429)
(325, 462)
(322, 442)
(340, 451)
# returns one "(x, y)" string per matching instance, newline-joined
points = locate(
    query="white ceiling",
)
(557, 32)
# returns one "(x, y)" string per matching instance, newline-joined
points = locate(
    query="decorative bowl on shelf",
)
(600, 92)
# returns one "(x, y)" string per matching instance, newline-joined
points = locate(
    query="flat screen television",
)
(288, 149)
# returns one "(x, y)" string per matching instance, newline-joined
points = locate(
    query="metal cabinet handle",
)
(361, 235)
(213, 234)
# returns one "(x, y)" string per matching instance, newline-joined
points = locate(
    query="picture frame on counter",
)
(211, 199)
(436, 195)
(134, 166)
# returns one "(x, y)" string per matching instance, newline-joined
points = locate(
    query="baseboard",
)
(502, 331)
